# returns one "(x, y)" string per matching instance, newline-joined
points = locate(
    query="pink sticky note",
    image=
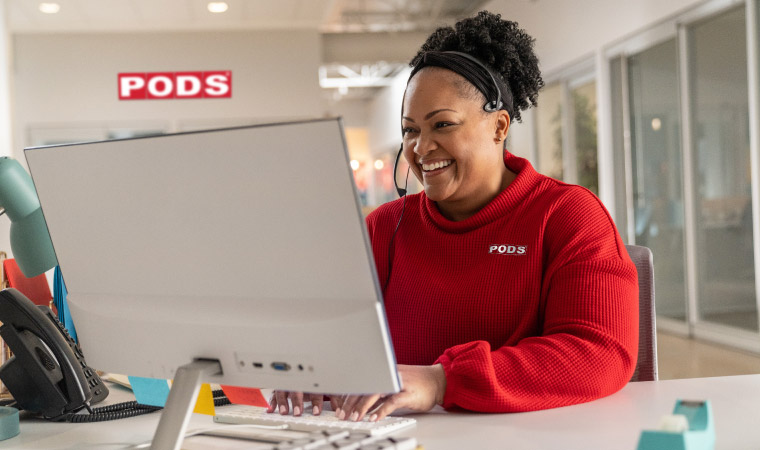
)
(245, 396)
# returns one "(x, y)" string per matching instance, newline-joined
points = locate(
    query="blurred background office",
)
(652, 105)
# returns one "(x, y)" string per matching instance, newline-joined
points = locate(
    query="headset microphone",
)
(401, 191)
(402, 194)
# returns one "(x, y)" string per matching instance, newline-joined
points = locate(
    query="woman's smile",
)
(435, 168)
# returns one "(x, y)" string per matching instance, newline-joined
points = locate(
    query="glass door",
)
(657, 182)
(720, 147)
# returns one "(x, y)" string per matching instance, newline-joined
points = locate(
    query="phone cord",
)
(128, 409)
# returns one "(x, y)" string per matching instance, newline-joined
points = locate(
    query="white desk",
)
(611, 423)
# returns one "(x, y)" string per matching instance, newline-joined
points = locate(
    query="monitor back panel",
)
(244, 245)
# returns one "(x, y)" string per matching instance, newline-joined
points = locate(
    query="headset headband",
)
(497, 93)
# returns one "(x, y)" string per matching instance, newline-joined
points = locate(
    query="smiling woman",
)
(507, 290)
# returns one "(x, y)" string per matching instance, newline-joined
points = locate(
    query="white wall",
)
(394, 46)
(70, 80)
(355, 112)
(385, 116)
(568, 30)
(5, 235)
(520, 140)
(5, 97)
(5, 139)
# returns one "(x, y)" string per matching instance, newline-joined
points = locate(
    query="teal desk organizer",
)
(699, 436)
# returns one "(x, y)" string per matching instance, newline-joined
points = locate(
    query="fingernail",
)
(315, 410)
(283, 409)
(373, 418)
(341, 414)
(354, 416)
(296, 410)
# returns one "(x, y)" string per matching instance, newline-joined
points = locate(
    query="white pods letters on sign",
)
(175, 85)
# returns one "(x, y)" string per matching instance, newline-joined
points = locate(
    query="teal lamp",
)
(30, 241)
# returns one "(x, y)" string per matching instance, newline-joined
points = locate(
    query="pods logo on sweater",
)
(498, 249)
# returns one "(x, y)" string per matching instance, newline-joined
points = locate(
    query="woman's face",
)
(453, 147)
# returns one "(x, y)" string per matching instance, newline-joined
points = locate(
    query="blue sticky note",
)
(150, 391)
(59, 299)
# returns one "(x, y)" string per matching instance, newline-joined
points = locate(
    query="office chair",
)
(646, 366)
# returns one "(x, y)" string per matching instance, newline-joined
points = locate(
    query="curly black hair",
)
(502, 45)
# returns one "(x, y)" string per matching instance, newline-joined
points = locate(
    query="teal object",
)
(150, 391)
(9, 426)
(30, 240)
(59, 300)
(699, 436)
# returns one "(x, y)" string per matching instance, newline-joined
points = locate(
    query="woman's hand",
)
(423, 388)
(279, 402)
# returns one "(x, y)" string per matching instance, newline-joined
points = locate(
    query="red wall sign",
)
(166, 85)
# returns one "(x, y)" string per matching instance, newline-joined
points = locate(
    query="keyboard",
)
(350, 441)
(327, 421)
(316, 440)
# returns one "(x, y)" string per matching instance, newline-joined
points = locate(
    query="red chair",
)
(36, 289)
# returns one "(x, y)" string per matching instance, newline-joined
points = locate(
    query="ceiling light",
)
(217, 7)
(354, 164)
(379, 164)
(50, 8)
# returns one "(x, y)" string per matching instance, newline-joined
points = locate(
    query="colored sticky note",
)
(205, 402)
(59, 299)
(150, 391)
(245, 396)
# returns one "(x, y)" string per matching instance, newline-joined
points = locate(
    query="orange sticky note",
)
(205, 402)
(245, 396)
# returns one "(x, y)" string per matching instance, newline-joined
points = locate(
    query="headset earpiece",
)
(492, 106)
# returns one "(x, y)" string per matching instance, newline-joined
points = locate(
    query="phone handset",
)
(47, 373)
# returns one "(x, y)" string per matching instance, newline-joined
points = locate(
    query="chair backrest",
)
(646, 367)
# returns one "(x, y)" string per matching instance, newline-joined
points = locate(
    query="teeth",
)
(437, 165)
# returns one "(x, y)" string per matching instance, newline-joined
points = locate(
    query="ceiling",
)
(328, 16)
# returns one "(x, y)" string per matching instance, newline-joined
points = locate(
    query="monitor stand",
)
(179, 405)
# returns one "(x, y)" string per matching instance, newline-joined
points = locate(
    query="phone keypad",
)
(99, 391)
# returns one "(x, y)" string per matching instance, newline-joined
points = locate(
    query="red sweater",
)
(531, 303)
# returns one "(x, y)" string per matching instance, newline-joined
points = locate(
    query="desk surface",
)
(614, 422)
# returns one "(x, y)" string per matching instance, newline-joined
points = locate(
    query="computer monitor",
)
(244, 246)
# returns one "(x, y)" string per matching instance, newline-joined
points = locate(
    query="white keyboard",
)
(351, 441)
(327, 421)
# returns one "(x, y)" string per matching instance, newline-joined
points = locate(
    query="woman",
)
(505, 290)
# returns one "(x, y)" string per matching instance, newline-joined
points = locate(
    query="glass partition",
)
(656, 165)
(720, 135)
(584, 121)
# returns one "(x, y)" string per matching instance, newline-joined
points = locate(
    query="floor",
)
(679, 357)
